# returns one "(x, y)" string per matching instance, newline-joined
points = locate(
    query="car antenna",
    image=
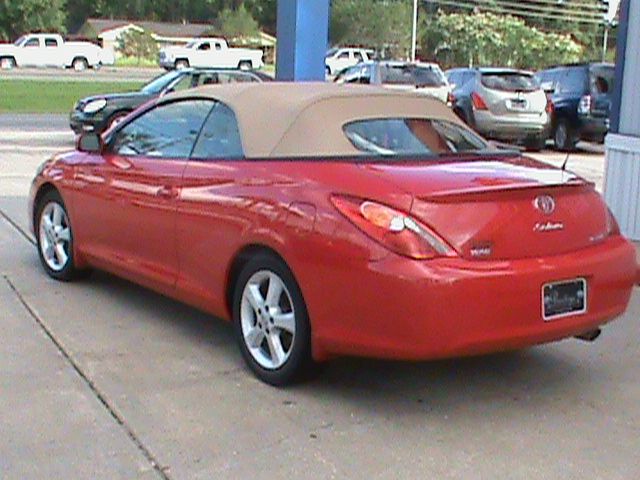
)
(566, 160)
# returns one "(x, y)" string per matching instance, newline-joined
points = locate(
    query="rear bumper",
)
(593, 128)
(511, 127)
(453, 307)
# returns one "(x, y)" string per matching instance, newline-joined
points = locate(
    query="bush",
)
(138, 44)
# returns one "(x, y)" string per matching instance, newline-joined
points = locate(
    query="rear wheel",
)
(7, 63)
(181, 64)
(79, 64)
(55, 237)
(245, 65)
(564, 137)
(271, 322)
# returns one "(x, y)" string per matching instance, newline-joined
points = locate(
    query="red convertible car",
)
(329, 220)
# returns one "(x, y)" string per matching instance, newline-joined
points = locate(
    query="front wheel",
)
(55, 237)
(271, 322)
(7, 63)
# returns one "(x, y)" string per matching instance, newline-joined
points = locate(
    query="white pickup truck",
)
(212, 53)
(50, 50)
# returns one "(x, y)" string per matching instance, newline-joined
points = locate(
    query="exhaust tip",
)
(589, 336)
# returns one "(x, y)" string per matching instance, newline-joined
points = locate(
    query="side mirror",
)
(90, 143)
(548, 87)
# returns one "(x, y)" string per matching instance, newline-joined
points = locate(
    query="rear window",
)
(411, 136)
(510, 82)
(601, 79)
(427, 76)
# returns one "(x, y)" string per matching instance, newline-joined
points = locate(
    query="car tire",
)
(54, 237)
(181, 64)
(80, 64)
(271, 322)
(536, 144)
(245, 65)
(564, 137)
(7, 63)
(115, 119)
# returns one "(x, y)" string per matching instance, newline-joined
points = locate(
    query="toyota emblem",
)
(545, 203)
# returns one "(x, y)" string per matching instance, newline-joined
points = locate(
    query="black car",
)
(581, 97)
(99, 112)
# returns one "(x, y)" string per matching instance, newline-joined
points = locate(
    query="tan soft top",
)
(306, 119)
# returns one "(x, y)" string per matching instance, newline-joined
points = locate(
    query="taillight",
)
(478, 102)
(549, 108)
(612, 224)
(451, 98)
(584, 107)
(392, 229)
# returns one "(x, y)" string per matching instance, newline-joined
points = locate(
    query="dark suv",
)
(581, 97)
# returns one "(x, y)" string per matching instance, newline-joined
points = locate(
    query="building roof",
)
(306, 119)
(160, 29)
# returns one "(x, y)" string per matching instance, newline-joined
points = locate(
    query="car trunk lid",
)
(499, 209)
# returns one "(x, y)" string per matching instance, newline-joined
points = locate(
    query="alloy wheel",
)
(55, 236)
(268, 319)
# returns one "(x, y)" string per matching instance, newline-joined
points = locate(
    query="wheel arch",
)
(45, 188)
(236, 265)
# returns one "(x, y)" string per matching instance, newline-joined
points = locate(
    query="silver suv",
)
(503, 104)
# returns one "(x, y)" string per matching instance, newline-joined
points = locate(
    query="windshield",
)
(19, 41)
(412, 136)
(510, 81)
(330, 52)
(158, 84)
(601, 79)
(426, 76)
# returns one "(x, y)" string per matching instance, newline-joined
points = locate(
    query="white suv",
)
(337, 59)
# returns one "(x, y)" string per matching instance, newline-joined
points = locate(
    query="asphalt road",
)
(103, 74)
(104, 379)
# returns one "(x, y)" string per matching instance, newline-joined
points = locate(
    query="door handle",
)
(166, 192)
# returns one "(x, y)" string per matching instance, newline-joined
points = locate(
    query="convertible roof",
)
(306, 119)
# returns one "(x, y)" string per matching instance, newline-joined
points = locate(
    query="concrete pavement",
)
(104, 379)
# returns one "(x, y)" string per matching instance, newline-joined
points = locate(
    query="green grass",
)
(132, 62)
(50, 96)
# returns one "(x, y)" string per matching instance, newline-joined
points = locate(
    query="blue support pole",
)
(303, 32)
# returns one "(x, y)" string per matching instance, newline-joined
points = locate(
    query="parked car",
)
(51, 50)
(456, 249)
(99, 112)
(581, 97)
(502, 104)
(210, 53)
(425, 78)
(337, 59)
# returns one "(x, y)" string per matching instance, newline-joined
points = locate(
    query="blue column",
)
(303, 31)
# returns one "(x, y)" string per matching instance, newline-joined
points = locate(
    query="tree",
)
(381, 24)
(485, 39)
(235, 23)
(23, 16)
(138, 44)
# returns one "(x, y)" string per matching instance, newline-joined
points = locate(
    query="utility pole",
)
(414, 32)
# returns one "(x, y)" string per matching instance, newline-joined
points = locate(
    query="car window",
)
(159, 83)
(571, 80)
(365, 74)
(50, 42)
(204, 46)
(167, 131)
(601, 79)
(348, 75)
(220, 136)
(32, 42)
(407, 74)
(187, 81)
(510, 81)
(358, 56)
(411, 136)
(343, 55)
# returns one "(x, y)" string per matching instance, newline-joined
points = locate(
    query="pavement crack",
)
(102, 398)
(20, 230)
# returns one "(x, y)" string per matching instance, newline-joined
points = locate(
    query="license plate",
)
(517, 104)
(560, 299)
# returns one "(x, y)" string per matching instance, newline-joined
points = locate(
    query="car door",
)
(127, 197)
(201, 56)
(212, 208)
(53, 52)
(32, 53)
